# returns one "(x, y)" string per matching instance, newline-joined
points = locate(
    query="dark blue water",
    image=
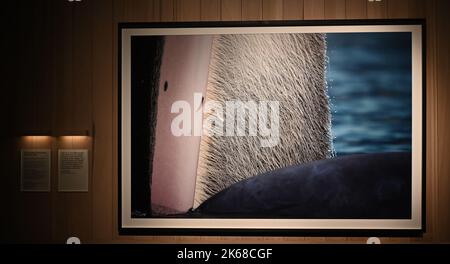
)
(369, 85)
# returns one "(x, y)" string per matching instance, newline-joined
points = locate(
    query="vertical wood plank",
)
(140, 10)
(45, 68)
(187, 10)
(79, 214)
(252, 10)
(119, 11)
(153, 11)
(156, 11)
(377, 10)
(293, 9)
(398, 9)
(64, 72)
(136, 10)
(443, 111)
(24, 103)
(356, 9)
(431, 140)
(314, 9)
(272, 9)
(62, 119)
(167, 10)
(165, 4)
(335, 9)
(8, 69)
(210, 10)
(102, 157)
(417, 8)
(231, 10)
(82, 67)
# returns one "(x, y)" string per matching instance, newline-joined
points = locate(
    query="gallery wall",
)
(59, 90)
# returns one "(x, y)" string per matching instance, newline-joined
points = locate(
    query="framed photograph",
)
(274, 128)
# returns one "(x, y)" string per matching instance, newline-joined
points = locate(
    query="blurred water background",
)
(369, 85)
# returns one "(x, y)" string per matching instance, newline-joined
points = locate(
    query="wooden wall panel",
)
(251, 9)
(78, 83)
(272, 9)
(23, 96)
(165, 15)
(81, 96)
(44, 66)
(314, 9)
(398, 8)
(5, 140)
(231, 10)
(293, 9)
(443, 111)
(187, 10)
(64, 72)
(377, 9)
(335, 9)
(356, 9)
(63, 115)
(136, 10)
(118, 10)
(417, 9)
(102, 84)
(210, 10)
(167, 10)
(431, 140)
(139, 10)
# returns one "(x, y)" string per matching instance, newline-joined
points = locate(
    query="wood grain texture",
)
(398, 8)
(377, 10)
(231, 10)
(81, 95)
(64, 72)
(293, 9)
(356, 9)
(136, 10)
(115, 113)
(167, 10)
(210, 10)
(314, 9)
(6, 17)
(102, 83)
(272, 9)
(335, 9)
(417, 8)
(119, 10)
(78, 215)
(45, 66)
(154, 11)
(23, 97)
(431, 140)
(187, 10)
(251, 10)
(443, 111)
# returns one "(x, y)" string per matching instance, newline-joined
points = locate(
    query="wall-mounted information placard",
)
(73, 170)
(35, 170)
